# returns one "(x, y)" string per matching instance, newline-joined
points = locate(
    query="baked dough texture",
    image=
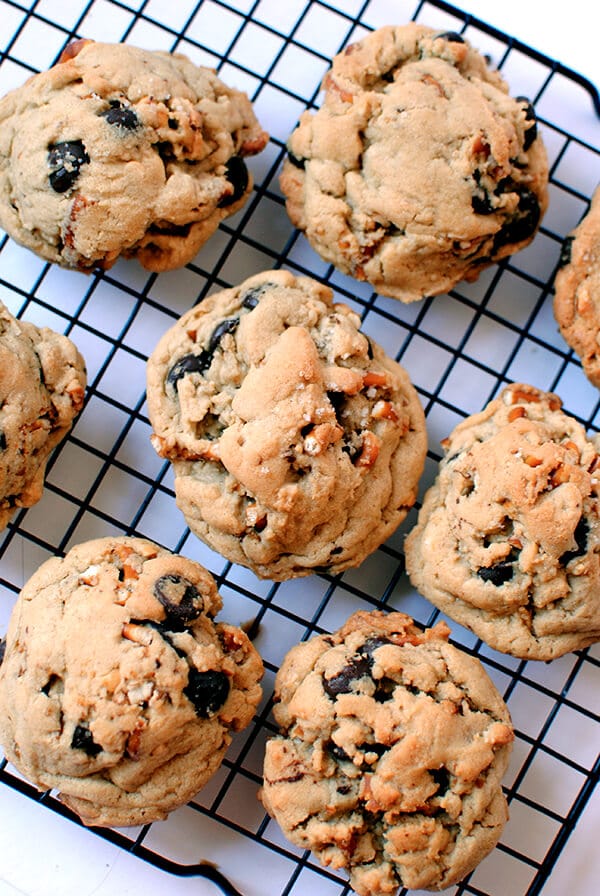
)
(418, 169)
(117, 150)
(296, 443)
(507, 541)
(117, 688)
(577, 291)
(390, 756)
(42, 389)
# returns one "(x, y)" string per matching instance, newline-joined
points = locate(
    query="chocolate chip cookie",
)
(508, 538)
(117, 687)
(419, 169)
(577, 291)
(392, 749)
(296, 443)
(42, 387)
(122, 151)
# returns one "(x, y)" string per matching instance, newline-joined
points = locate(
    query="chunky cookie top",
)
(577, 291)
(42, 388)
(118, 150)
(117, 687)
(508, 538)
(419, 168)
(391, 752)
(297, 444)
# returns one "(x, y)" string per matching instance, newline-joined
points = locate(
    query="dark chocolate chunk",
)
(121, 116)
(378, 749)
(482, 205)
(338, 753)
(532, 131)
(182, 601)
(208, 691)
(565, 252)
(83, 740)
(359, 666)
(296, 160)
(581, 536)
(198, 363)
(451, 36)
(65, 160)
(237, 175)
(499, 574)
(2, 441)
(441, 776)
(189, 364)
(384, 689)
(229, 325)
(523, 223)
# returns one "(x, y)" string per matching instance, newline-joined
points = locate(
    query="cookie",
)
(117, 687)
(118, 150)
(296, 443)
(419, 169)
(577, 291)
(390, 756)
(507, 541)
(42, 387)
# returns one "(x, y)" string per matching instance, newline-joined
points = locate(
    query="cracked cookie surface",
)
(42, 388)
(296, 443)
(419, 169)
(392, 749)
(507, 541)
(117, 150)
(577, 291)
(117, 687)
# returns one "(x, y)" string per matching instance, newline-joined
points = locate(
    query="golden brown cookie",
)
(296, 443)
(577, 291)
(117, 688)
(508, 538)
(392, 749)
(122, 151)
(42, 387)
(418, 169)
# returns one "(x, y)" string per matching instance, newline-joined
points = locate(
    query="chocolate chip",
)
(532, 131)
(580, 535)
(384, 689)
(189, 364)
(198, 363)
(499, 574)
(182, 601)
(452, 37)
(229, 325)
(2, 649)
(83, 740)
(2, 441)
(565, 252)
(296, 160)
(441, 777)
(378, 749)
(121, 116)
(482, 205)
(523, 223)
(65, 160)
(208, 691)
(338, 753)
(237, 175)
(173, 124)
(359, 666)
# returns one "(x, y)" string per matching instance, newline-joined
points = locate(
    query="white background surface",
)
(43, 855)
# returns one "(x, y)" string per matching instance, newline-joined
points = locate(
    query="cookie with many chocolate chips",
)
(390, 756)
(419, 169)
(118, 150)
(117, 687)
(507, 541)
(42, 388)
(296, 443)
(577, 291)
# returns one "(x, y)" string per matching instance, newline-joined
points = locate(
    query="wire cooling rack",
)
(459, 350)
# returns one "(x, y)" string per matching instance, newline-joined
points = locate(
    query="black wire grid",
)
(459, 350)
